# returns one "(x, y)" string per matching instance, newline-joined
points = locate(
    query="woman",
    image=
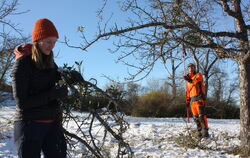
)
(37, 125)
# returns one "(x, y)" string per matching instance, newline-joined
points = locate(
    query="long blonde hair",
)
(41, 61)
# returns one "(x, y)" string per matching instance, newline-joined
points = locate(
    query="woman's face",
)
(47, 44)
(191, 69)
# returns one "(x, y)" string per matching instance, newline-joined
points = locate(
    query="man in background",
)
(195, 96)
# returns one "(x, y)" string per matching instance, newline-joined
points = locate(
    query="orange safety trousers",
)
(196, 107)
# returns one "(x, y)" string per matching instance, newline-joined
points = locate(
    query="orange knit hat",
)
(43, 28)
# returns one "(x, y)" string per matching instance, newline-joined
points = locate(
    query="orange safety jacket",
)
(195, 90)
(195, 93)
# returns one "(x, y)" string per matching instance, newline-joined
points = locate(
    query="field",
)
(150, 138)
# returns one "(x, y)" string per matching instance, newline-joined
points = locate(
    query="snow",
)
(7, 99)
(148, 137)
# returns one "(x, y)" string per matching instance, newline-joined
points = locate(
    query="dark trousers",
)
(33, 137)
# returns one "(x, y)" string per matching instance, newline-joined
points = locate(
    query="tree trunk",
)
(205, 73)
(244, 69)
(174, 88)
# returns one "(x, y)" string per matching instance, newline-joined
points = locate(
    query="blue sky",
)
(67, 16)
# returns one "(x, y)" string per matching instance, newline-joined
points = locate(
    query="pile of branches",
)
(96, 117)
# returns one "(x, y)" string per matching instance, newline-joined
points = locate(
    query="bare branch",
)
(121, 31)
(226, 8)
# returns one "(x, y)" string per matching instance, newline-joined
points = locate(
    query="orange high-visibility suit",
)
(195, 91)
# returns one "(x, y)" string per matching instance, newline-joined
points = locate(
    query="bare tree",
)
(221, 88)
(10, 36)
(218, 85)
(175, 60)
(195, 24)
(102, 122)
(7, 56)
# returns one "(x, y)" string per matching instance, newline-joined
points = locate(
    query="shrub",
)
(152, 104)
(160, 104)
(222, 110)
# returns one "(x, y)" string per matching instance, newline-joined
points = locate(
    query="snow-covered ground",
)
(150, 137)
